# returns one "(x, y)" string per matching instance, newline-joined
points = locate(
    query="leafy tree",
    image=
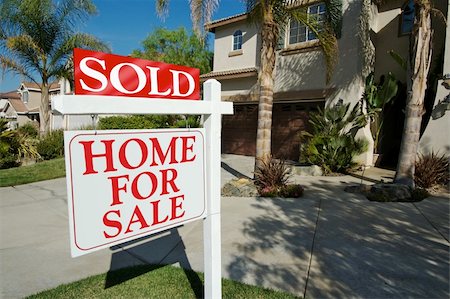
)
(37, 38)
(176, 47)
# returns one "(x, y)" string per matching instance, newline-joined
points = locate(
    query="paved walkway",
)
(328, 244)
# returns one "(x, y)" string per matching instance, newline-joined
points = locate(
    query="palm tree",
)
(272, 16)
(37, 38)
(418, 67)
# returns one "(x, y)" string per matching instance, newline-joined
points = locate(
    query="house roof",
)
(18, 105)
(34, 110)
(33, 86)
(231, 74)
(211, 26)
(10, 95)
(3, 104)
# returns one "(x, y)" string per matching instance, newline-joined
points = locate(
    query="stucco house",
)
(300, 83)
(22, 106)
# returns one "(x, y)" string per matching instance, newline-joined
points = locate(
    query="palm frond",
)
(8, 64)
(334, 16)
(162, 7)
(78, 40)
(329, 45)
(24, 50)
(73, 11)
(201, 13)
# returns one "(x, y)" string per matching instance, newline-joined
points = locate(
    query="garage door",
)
(289, 119)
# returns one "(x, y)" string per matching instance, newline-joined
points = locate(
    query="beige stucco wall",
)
(437, 134)
(306, 71)
(238, 86)
(301, 71)
(34, 100)
(223, 46)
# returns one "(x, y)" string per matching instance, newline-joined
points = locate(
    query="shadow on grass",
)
(151, 253)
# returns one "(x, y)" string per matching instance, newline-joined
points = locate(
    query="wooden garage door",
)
(289, 119)
(239, 130)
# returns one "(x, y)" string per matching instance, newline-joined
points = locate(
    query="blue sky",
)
(123, 24)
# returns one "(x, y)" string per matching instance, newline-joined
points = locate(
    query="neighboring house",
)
(22, 106)
(24, 103)
(15, 110)
(300, 85)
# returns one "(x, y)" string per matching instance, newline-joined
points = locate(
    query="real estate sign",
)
(127, 184)
(123, 185)
(98, 73)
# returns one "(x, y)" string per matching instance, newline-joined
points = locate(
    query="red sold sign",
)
(99, 73)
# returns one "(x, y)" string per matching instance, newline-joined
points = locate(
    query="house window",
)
(407, 18)
(237, 40)
(25, 96)
(299, 33)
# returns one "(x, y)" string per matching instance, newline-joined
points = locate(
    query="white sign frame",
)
(113, 188)
(212, 110)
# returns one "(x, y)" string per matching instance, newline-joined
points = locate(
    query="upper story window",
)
(237, 40)
(25, 96)
(299, 33)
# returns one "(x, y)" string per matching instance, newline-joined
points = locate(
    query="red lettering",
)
(135, 189)
(123, 157)
(116, 188)
(185, 148)
(156, 220)
(168, 181)
(112, 223)
(89, 156)
(162, 157)
(176, 206)
(140, 218)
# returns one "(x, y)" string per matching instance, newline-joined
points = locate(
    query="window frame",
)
(308, 32)
(237, 40)
(25, 96)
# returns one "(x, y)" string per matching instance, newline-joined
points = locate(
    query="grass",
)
(153, 282)
(41, 171)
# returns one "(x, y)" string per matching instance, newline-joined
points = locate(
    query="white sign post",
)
(130, 182)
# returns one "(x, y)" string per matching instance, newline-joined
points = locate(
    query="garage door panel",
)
(288, 120)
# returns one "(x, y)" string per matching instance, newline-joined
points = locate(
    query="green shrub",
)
(9, 146)
(332, 143)
(191, 121)
(147, 122)
(28, 129)
(51, 145)
(431, 169)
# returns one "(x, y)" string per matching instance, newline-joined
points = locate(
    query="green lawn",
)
(41, 171)
(153, 282)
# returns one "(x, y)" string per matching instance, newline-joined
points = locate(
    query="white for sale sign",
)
(124, 185)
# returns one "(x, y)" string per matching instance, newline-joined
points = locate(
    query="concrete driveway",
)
(328, 244)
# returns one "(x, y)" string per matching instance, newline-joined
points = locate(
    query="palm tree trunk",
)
(266, 81)
(421, 51)
(44, 109)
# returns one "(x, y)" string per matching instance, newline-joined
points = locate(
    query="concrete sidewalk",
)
(328, 244)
